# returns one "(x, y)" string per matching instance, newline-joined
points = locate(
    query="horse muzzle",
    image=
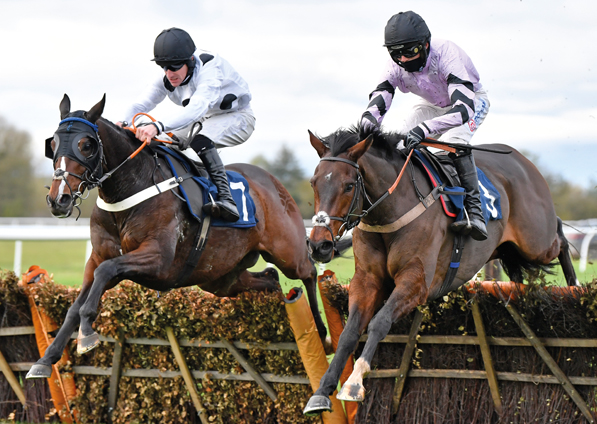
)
(321, 251)
(60, 206)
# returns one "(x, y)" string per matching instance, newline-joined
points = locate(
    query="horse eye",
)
(349, 187)
(86, 147)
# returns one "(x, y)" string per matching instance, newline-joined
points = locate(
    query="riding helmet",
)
(403, 30)
(173, 45)
(406, 27)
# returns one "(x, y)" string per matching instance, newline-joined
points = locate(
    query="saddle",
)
(197, 189)
(441, 171)
(184, 169)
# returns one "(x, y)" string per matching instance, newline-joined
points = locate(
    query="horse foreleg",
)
(88, 338)
(43, 367)
(564, 258)
(410, 291)
(363, 301)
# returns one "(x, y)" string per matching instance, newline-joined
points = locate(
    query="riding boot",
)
(224, 207)
(473, 222)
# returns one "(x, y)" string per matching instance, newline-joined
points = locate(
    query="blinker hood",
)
(70, 131)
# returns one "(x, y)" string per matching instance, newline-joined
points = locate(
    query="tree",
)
(285, 168)
(572, 201)
(22, 194)
(16, 170)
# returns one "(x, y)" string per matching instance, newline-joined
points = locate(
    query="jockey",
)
(216, 108)
(453, 102)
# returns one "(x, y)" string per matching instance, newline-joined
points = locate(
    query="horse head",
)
(339, 191)
(77, 153)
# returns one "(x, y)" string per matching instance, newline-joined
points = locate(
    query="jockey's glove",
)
(414, 138)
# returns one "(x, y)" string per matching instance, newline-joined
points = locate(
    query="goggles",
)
(409, 51)
(169, 66)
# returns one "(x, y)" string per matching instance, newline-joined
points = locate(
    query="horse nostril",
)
(326, 247)
(64, 200)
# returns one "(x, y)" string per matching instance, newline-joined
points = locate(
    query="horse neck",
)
(379, 175)
(131, 177)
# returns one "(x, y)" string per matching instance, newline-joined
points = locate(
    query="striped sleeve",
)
(462, 97)
(380, 101)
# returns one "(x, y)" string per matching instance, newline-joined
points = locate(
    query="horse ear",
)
(318, 145)
(64, 107)
(359, 149)
(96, 111)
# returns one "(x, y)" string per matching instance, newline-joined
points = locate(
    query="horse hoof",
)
(39, 371)
(316, 405)
(85, 344)
(351, 393)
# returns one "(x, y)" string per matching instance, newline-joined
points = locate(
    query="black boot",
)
(473, 222)
(224, 207)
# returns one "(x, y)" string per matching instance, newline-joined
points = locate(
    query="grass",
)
(66, 260)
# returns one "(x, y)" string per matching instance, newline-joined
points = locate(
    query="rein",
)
(89, 180)
(133, 129)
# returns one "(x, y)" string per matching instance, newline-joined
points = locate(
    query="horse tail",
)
(518, 268)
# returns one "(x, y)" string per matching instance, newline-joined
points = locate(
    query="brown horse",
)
(150, 242)
(398, 269)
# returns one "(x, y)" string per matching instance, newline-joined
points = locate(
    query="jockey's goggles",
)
(407, 50)
(169, 66)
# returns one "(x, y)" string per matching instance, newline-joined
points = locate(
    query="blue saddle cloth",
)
(490, 197)
(239, 189)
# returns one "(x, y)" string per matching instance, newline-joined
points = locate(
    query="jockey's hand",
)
(414, 138)
(146, 132)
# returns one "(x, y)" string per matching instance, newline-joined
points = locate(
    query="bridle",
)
(352, 219)
(94, 175)
(70, 132)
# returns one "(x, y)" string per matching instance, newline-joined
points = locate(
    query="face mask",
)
(415, 65)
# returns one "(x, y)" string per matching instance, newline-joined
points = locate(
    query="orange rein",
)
(133, 128)
(424, 143)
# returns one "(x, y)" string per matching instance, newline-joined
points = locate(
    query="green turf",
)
(66, 260)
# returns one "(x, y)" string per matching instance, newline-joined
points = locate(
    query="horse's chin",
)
(322, 258)
(61, 213)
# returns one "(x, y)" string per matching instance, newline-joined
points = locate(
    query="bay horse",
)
(150, 242)
(398, 269)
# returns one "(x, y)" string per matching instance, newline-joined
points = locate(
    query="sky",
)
(310, 65)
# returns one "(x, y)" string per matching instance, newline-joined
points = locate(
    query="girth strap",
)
(198, 248)
(407, 218)
(454, 264)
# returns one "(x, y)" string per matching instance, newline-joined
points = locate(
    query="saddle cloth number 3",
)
(490, 204)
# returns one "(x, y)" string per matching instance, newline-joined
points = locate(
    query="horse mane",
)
(384, 143)
(119, 130)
